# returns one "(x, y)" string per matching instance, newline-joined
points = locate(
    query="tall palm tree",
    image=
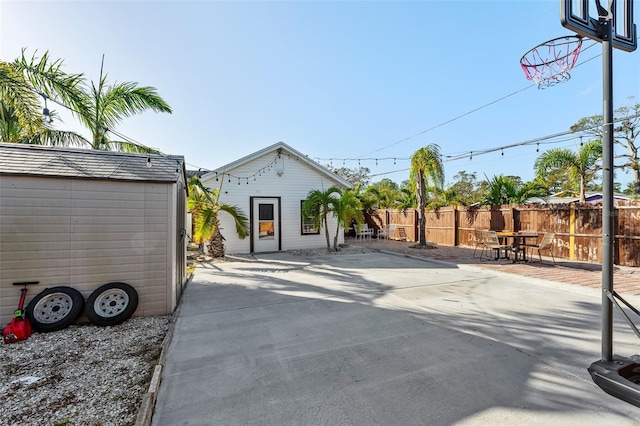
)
(426, 170)
(22, 85)
(318, 205)
(581, 166)
(105, 106)
(204, 205)
(100, 107)
(347, 208)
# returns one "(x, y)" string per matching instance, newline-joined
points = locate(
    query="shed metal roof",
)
(36, 160)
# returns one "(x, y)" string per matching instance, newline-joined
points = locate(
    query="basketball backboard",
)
(583, 17)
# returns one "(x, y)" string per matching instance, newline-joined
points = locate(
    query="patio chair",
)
(491, 241)
(387, 232)
(545, 244)
(363, 232)
(479, 240)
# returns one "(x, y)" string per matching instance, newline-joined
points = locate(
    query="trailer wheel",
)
(54, 308)
(111, 304)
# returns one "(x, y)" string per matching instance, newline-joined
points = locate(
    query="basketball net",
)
(551, 62)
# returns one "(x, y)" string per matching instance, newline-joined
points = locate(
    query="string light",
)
(46, 115)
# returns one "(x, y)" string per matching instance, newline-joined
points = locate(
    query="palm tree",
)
(99, 107)
(22, 84)
(581, 166)
(347, 208)
(318, 205)
(204, 205)
(426, 170)
(505, 190)
(105, 106)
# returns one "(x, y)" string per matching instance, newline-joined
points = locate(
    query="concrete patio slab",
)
(382, 339)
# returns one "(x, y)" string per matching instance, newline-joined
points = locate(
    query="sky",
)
(347, 83)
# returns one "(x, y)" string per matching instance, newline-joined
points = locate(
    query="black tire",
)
(111, 304)
(54, 308)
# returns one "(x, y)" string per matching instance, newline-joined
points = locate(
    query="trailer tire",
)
(54, 308)
(111, 304)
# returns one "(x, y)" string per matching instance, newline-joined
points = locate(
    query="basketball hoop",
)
(551, 62)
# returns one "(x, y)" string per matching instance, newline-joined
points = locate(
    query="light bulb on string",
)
(502, 153)
(471, 156)
(394, 161)
(581, 144)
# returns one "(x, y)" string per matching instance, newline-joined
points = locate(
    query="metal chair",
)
(479, 240)
(491, 241)
(545, 244)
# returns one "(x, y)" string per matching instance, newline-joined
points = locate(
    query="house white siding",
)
(290, 179)
(85, 233)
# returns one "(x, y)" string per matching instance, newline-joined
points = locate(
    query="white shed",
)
(270, 186)
(82, 218)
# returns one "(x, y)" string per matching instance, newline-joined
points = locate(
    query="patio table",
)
(519, 241)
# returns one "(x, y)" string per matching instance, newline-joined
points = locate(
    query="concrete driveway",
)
(380, 339)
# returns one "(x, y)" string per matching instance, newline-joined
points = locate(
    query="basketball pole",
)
(608, 212)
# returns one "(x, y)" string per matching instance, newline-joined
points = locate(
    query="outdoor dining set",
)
(513, 245)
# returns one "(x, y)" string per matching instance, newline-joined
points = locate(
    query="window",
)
(307, 226)
(266, 225)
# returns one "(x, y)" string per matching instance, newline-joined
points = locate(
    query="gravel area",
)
(82, 375)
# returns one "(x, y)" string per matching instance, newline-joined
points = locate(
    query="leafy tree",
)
(406, 199)
(318, 205)
(426, 170)
(353, 176)
(465, 190)
(346, 209)
(625, 134)
(386, 192)
(204, 205)
(581, 167)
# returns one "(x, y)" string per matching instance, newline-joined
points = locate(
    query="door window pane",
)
(265, 211)
(266, 224)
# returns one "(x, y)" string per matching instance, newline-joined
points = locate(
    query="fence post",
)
(572, 231)
(456, 225)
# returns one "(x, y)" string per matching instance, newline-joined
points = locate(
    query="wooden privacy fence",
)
(578, 227)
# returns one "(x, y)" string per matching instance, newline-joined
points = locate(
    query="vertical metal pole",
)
(607, 187)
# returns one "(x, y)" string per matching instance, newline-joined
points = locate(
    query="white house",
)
(270, 186)
(82, 218)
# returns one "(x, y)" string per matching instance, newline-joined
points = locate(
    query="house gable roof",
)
(45, 161)
(285, 150)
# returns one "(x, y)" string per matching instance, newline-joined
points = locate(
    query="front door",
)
(265, 224)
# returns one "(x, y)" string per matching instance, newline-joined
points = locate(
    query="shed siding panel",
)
(84, 234)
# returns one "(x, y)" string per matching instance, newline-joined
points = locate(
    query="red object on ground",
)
(19, 328)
